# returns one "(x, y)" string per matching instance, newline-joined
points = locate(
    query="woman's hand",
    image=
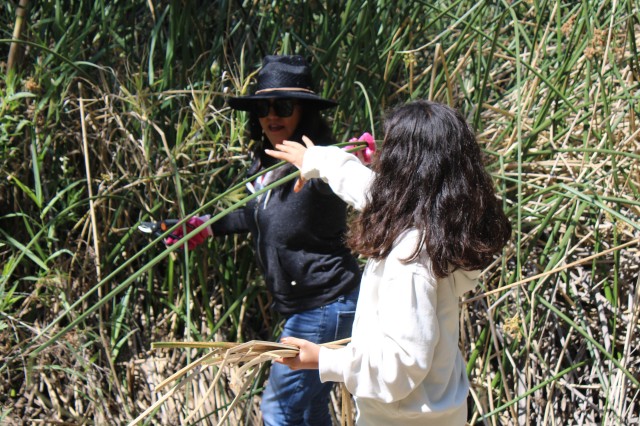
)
(292, 152)
(307, 358)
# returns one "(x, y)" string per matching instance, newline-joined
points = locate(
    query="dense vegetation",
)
(113, 112)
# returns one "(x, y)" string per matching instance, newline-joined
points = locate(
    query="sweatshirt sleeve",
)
(395, 355)
(233, 223)
(343, 171)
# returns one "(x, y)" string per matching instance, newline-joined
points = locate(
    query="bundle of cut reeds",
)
(245, 357)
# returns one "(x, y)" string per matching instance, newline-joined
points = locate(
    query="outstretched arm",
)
(348, 178)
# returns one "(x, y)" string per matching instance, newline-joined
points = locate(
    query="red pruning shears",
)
(159, 228)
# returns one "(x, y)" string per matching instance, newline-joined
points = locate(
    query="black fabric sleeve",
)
(233, 223)
(321, 186)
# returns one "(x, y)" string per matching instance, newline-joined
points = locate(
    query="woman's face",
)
(276, 127)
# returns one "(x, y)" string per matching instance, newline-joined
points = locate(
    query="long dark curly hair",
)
(430, 176)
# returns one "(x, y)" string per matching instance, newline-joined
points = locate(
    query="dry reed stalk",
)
(15, 50)
(227, 354)
(551, 272)
(620, 383)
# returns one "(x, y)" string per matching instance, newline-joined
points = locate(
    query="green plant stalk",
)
(479, 343)
(561, 190)
(35, 164)
(532, 390)
(118, 317)
(485, 77)
(560, 254)
(25, 251)
(529, 67)
(24, 188)
(551, 246)
(74, 65)
(609, 152)
(593, 201)
(369, 111)
(590, 339)
(205, 295)
(519, 142)
(170, 277)
(543, 226)
(179, 311)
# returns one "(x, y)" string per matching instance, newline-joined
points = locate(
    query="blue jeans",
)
(298, 397)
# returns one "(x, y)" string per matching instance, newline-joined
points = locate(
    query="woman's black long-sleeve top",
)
(299, 244)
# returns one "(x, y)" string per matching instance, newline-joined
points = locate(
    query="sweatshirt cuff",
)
(329, 365)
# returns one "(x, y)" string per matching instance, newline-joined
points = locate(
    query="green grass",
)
(116, 114)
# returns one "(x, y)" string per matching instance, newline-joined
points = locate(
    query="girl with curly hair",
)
(429, 222)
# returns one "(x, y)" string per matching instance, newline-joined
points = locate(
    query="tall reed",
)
(126, 101)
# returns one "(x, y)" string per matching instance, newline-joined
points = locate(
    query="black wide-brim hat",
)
(283, 76)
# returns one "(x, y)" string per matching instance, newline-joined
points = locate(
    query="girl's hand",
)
(292, 152)
(307, 359)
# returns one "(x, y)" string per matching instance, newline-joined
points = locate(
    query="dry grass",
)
(241, 362)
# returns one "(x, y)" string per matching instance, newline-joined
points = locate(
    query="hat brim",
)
(247, 103)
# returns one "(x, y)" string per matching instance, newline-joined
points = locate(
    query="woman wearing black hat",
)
(298, 237)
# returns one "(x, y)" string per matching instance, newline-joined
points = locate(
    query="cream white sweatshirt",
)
(403, 365)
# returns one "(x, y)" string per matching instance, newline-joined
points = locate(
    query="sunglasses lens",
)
(282, 107)
(262, 108)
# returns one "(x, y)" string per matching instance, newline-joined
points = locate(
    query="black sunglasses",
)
(282, 107)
